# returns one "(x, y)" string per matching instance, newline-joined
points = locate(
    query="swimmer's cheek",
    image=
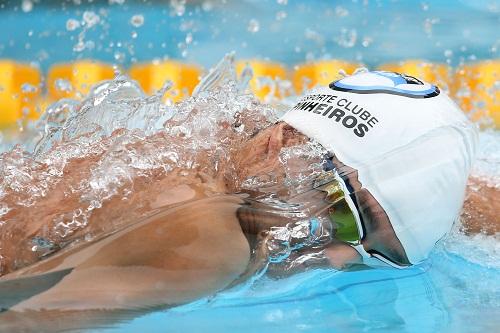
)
(341, 256)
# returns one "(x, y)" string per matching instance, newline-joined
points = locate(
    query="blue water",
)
(447, 294)
(383, 30)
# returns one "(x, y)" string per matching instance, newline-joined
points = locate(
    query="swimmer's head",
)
(408, 143)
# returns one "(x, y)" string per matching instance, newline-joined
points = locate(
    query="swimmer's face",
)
(260, 155)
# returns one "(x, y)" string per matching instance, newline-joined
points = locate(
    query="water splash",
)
(106, 149)
(480, 248)
(101, 152)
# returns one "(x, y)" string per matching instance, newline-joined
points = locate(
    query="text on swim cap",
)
(340, 110)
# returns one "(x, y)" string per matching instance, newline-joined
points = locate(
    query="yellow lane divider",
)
(477, 88)
(322, 73)
(19, 87)
(74, 80)
(266, 77)
(436, 73)
(152, 76)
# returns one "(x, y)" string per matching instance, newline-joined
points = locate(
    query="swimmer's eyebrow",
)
(15, 291)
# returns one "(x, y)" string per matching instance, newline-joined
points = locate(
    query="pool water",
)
(448, 294)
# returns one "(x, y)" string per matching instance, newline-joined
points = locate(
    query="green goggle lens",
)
(346, 227)
(341, 215)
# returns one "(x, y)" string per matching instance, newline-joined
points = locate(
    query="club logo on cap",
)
(386, 82)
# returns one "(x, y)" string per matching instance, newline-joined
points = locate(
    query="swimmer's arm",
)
(481, 210)
(188, 253)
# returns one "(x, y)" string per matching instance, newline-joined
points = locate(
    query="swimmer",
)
(396, 159)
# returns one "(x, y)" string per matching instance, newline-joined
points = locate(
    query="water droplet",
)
(63, 85)
(281, 15)
(90, 18)
(341, 11)
(314, 36)
(253, 26)
(178, 7)
(282, 2)
(429, 24)
(133, 34)
(189, 38)
(119, 56)
(89, 45)
(207, 6)
(137, 20)
(79, 47)
(72, 24)
(347, 38)
(28, 88)
(27, 6)
(448, 53)
(366, 41)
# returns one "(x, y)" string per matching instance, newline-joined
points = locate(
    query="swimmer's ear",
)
(17, 290)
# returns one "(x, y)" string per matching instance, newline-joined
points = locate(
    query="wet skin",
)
(174, 257)
(190, 247)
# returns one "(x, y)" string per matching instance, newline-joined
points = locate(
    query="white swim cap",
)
(411, 144)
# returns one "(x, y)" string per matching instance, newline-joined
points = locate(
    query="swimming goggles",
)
(343, 213)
